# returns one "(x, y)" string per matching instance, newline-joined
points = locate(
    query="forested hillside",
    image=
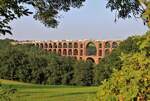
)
(30, 64)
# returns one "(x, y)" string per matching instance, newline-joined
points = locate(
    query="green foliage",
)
(46, 11)
(10, 10)
(83, 73)
(144, 44)
(28, 63)
(128, 8)
(113, 61)
(104, 69)
(61, 70)
(130, 82)
(124, 8)
(146, 12)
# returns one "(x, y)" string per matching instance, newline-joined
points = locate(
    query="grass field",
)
(31, 92)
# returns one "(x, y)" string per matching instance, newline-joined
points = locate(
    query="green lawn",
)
(31, 92)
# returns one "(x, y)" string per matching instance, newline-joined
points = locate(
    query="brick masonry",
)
(76, 49)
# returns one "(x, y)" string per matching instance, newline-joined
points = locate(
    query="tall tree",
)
(83, 73)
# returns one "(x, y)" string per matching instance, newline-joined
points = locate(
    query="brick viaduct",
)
(77, 49)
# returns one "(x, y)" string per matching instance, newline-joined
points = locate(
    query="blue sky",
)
(92, 21)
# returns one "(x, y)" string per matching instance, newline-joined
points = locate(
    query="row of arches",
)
(71, 52)
(59, 45)
(66, 52)
(109, 45)
(75, 45)
(91, 50)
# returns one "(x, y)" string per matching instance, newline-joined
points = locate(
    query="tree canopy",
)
(47, 11)
(128, 8)
(28, 63)
(125, 8)
(132, 81)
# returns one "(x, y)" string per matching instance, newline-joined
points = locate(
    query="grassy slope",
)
(31, 92)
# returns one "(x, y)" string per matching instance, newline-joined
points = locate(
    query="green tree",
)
(11, 61)
(104, 69)
(83, 73)
(46, 11)
(54, 70)
(128, 8)
(28, 63)
(67, 73)
(10, 10)
(60, 70)
(113, 61)
(131, 82)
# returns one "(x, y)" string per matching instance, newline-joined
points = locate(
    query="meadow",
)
(33, 92)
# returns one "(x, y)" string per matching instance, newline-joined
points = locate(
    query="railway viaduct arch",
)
(79, 49)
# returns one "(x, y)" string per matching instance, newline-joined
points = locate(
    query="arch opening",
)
(91, 49)
(75, 52)
(46, 45)
(100, 45)
(50, 50)
(50, 45)
(81, 52)
(81, 45)
(107, 45)
(114, 45)
(41, 45)
(55, 45)
(90, 60)
(65, 45)
(59, 51)
(54, 51)
(70, 45)
(70, 52)
(100, 52)
(59, 45)
(75, 45)
(64, 52)
(37, 45)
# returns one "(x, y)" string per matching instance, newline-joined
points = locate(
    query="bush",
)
(129, 83)
(132, 81)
